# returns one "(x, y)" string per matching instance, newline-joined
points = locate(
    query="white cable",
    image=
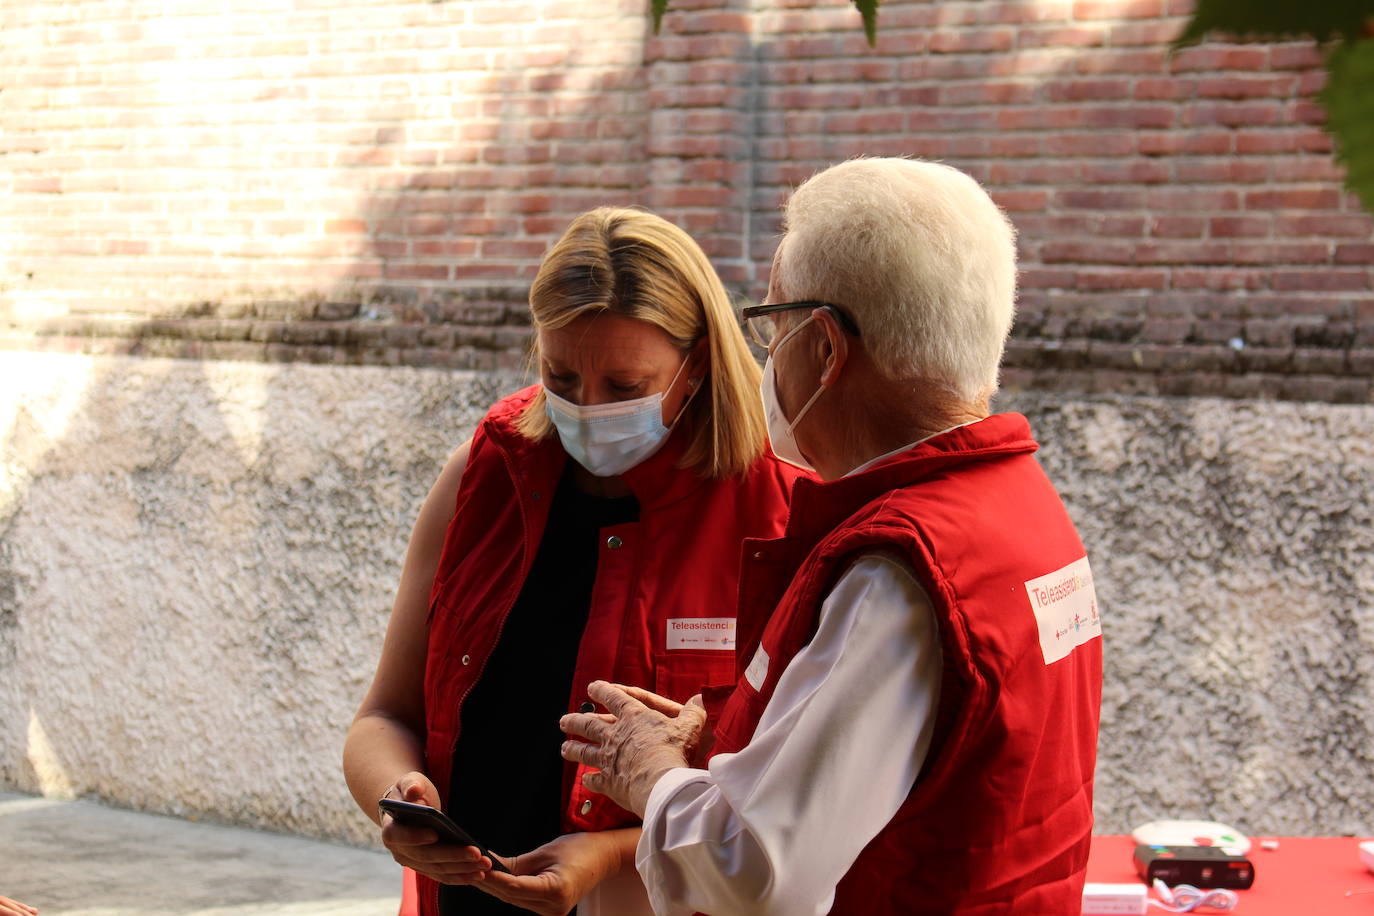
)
(1184, 898)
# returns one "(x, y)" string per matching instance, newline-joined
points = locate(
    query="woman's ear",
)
(698, 364)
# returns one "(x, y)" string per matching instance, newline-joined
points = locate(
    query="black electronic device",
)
(413, 815)
(1200, 866)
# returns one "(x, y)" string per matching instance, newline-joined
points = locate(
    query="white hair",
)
(919, 255)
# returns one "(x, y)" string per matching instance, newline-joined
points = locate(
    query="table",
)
(1305, 876)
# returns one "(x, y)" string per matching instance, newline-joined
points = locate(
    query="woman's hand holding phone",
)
(419, 849)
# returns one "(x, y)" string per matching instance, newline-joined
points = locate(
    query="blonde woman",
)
(590, 529)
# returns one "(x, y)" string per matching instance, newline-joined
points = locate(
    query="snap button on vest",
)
(587, 707)
(586, 807)
(614, 542)
(467, 659)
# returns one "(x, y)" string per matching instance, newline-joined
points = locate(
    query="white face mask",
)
(782, 433)
(609, 439)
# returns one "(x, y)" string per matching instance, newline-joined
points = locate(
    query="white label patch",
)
(1065, 607)
(701, 633)
(757, 672)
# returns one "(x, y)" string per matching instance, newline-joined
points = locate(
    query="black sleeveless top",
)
(507, 780)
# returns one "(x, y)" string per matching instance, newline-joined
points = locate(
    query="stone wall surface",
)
(197, 561)
(1232, 544)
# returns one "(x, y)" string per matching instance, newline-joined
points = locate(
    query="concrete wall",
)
(197, 558)
(1233, 548)
(196, 567)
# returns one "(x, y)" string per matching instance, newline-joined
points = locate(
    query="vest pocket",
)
(680, 674)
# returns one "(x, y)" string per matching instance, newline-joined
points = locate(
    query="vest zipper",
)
(525, 564)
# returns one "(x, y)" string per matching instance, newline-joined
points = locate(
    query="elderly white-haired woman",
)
(916, 730)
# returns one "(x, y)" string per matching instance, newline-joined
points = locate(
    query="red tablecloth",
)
(1305, 876)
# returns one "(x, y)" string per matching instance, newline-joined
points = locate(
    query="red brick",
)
(1241, 226)
(1165, 88)
(1087, 252)
(1080, 89)
(1334, 225)
(1220, 57)
(1117, 9)
(1307, 112)
(1307, 169)
(1100, 199)
(47, 185)
(1305, 55)
(1191, 252)
(1062, 36)
(1137, 171)
(345, 226)
(1046, 278)
(964, 41)
(1298, 198)
(445, 248)
(1247, 87)
(1129, 61)
(1325, 279)
(1156, 32)
(1017, 201)
(1354, 254)
(1178, 227)
(1167, 143)
(1122, 279)
(1230, 170)
(1219, 279)
(974, 93)
(1283, 253)
(1009, 12)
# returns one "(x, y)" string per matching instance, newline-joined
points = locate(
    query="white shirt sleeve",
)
(773, 828)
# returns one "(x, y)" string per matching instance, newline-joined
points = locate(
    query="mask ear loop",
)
(693, 389)
(792, 426)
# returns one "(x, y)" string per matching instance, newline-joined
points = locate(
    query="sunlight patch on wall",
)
(53, 781)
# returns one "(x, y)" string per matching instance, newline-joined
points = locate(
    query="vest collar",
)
(819, 507)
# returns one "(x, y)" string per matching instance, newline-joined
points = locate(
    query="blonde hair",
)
(639, 265)
(920, 255)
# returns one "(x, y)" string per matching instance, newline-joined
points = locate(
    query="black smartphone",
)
(413, 815)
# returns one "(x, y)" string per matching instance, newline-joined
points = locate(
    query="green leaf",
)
(658, 8)
(1349, 101)
(1278, 19)
(868, 9)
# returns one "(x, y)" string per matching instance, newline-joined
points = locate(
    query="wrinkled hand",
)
(553, 878)
(644, 736)
(418, 848)
(10, 907)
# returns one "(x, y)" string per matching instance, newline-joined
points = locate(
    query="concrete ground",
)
(84, 859)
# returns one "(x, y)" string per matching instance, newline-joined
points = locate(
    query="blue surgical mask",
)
(609, 439)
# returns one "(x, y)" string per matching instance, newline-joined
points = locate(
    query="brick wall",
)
(375, 180)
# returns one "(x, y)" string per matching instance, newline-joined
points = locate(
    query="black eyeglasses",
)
(763, 327)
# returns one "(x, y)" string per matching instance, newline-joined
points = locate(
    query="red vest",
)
(1000, 817)
(679, 561)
